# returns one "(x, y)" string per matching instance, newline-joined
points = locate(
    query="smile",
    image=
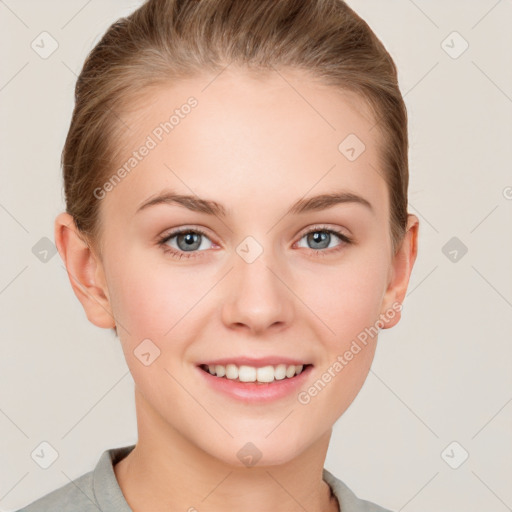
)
(255, 384)
(264, 374)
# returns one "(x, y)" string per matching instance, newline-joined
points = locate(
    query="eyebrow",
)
(304, 205)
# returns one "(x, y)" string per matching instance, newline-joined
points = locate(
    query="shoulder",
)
(92, 492)
(347, 499)
(75, 496)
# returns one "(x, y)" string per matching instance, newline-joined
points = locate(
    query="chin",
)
(258, 452)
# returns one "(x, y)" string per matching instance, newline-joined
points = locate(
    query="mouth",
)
(256, 375)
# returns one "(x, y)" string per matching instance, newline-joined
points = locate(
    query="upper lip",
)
(255, 362)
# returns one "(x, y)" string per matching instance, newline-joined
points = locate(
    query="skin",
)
(256, 145)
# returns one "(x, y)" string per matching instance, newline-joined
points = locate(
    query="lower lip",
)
(251, 392)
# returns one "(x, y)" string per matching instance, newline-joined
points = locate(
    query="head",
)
(250, 109)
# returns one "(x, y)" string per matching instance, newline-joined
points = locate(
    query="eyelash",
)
(162, 241)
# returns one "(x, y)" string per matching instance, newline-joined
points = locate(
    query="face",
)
(258, 271)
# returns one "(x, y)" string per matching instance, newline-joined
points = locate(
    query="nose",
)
(257, 297)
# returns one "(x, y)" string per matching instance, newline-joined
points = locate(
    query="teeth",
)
(252, 374)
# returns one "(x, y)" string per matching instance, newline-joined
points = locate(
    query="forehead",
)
(270, 137)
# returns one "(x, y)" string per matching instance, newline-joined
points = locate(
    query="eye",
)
(184, 242)
(187, 242)
(320, 237)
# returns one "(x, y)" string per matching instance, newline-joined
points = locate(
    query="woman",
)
(236, 183)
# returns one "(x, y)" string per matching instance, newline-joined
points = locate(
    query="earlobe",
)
(402, 265)
(85, 272)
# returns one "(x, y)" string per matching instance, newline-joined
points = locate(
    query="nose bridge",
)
(257, 298)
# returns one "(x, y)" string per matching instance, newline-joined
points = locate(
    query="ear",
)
(400, 272)
(85, 271)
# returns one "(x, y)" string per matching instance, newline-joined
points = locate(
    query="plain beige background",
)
(440, 386)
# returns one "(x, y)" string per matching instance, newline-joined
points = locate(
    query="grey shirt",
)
(98, 491)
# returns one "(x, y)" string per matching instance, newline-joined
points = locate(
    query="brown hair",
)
(165, 40)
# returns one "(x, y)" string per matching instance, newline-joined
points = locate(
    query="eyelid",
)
(172, 232)
(176, 253)
(324, 227)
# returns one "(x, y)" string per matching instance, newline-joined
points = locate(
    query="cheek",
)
(149, 303)
(348, 297)
(349, 304)
(155, 300)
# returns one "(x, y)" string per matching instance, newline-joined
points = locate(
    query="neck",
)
(165, 471)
